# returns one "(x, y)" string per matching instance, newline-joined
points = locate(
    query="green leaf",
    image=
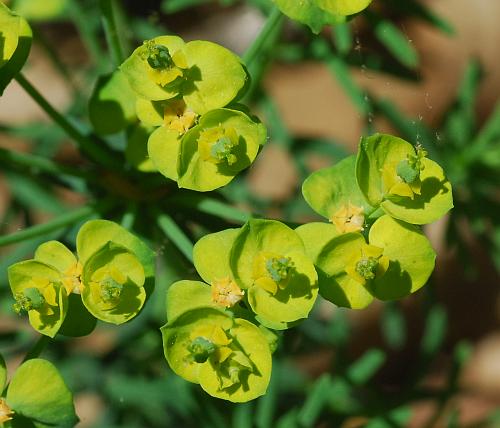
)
(15, 44)
(137, 71)
(79, 321)
(30, 274)
(136, 151)
(112, 104)
(211, 255)
(38, 392)
(395, 41)
(56, 254)
(164, 147)
(365, 367)
(94, 234)
(411, 258)
(203, 172)
(251, 341)
(435, 200)
(183, 296)
(335, 284)
(308, 12)
(215, 76)
(3, 373)
(331, 189)
(117, 267)
(375, 153)
(258, 243)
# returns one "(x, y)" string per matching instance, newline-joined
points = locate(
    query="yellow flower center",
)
(177, 117)
(40, 295)
(367, 264)
(217, 145)
(72, 279)
(349, 218)
(226, 293)
(6, 412)
(272, 271)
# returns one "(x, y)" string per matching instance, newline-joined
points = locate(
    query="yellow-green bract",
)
(318, 13)
(15, 43)
(205, 75)
(113, 274)
(229, 357)
(397, 260)
(37, 393)
(400, 179)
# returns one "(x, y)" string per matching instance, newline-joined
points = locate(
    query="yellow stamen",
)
(6, 412)
(226, 293)
(349, 218)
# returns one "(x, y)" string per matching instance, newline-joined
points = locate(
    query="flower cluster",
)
(375, 201)
(110, 278)
(318, 13)
(268, 275)
(36, 396)
(184, 96)
(258, 274)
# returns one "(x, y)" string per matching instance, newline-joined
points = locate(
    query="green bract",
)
(113, 273)
(207, 76)
(318, 13)
(213, 152)
(397, 260)
(112, 105)
(37, 393)
(334, 193)
(401, 180)
(15, 43)
(268, 260)
(229, 357)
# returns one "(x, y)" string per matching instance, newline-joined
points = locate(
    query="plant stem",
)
(210, 206)
(37, 348)
(254, 50)
(176, 235)
(86, 144)
(129, 217)
(110, 29)
(41, 229)
(43, 164)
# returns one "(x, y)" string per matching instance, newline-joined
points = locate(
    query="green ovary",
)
(201, 349)
(367, 267)
(271, 271)
(30, 298)
(40, 296)
(157, 56)
(217, 145)
(107, 286)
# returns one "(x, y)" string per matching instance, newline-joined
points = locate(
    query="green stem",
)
(129, 217)
(254, 50)
(86, 144)
(41, 229)
(176, 235)
(43, 164)
(37, 348)
(210, 206)
(110, 29)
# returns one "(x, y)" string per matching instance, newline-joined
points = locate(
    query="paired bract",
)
(113, 274)
(184, 96)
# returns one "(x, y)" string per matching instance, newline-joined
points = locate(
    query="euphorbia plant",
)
(177, 108)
